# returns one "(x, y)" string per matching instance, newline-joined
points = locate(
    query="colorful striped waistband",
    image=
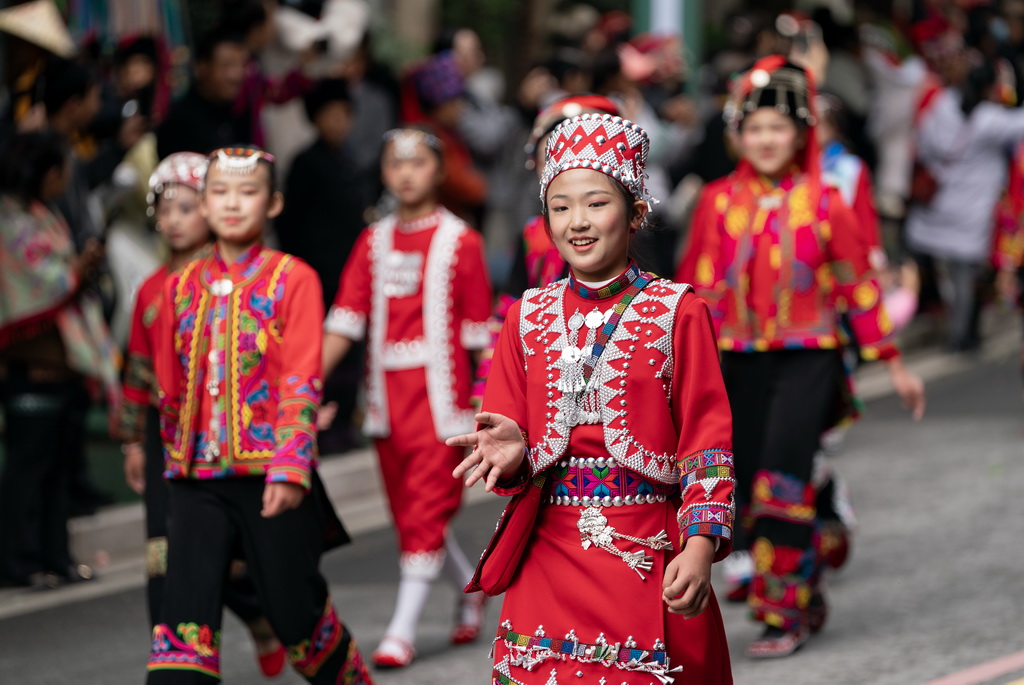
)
(602, 482)
(574, 649)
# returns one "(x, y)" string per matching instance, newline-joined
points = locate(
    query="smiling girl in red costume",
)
(607, 384)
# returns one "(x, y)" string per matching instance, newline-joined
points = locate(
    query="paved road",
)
(935, 585)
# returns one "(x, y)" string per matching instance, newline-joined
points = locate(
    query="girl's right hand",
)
(498, 450)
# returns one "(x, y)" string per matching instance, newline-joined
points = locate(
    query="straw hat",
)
(39, 22)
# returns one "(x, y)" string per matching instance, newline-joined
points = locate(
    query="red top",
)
(419, 293)
(663, 410)
(776, 263)
(138, 389)
(239, 349)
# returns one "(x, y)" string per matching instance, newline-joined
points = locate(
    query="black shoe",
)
(42, 582)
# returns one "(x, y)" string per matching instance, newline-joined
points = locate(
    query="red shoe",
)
(388, 660)
(738, 594)
(775, 643)
(835, 544)
(464, 633)
(272, 664)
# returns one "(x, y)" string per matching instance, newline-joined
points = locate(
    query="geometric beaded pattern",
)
(609, 144)
(645, 329)
(574, 649)
(588, 480)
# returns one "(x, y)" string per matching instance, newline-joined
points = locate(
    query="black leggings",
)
(781, 403)
(239, 592)
(208, 519)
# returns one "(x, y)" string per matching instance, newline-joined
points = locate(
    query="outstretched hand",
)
(498, 449)
(909, 387)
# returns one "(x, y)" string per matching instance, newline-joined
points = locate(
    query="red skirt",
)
(416, 467)
(575, 615)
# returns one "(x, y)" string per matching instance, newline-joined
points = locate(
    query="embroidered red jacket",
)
(775, 264)
(663, 407)
(259, 372)
(138, 388)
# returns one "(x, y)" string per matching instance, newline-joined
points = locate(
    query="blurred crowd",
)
(920, 131)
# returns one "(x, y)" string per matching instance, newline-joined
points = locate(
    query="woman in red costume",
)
(776, 254)
(607, 382)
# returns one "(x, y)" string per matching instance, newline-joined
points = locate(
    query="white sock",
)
(412, 596)
(456, 566)
(419, 570)
(459, 571)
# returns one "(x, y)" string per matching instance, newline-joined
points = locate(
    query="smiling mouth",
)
(582, 242)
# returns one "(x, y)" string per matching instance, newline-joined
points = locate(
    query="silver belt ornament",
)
(594, 530)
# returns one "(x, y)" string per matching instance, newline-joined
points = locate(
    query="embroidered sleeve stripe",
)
(719, 472)
(705, 458)
(712, 529)
(286, 474)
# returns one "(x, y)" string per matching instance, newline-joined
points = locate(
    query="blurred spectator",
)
(485, 124)
(493, 133)
(34, 31)
(52, 335)
(324, 201)
(669, 142)
(963, 142)
(435, 95)
(72, 99)
(254, 20)
(896, 76)
(374, 93)
(846, 77)
(850, 175)
(204, 118)
(847, 173)
(131, 90)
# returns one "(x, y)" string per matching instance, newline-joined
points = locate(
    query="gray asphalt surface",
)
(935, 584)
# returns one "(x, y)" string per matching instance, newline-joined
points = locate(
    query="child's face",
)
(411, 173)
(333, 122)
(589, 223)
(769, 140)
(237, 206)
(179, 220)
